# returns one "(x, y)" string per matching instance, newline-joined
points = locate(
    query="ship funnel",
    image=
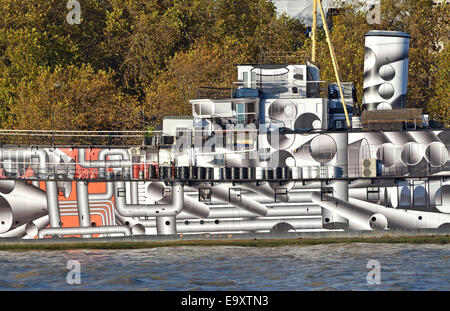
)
(385, 70)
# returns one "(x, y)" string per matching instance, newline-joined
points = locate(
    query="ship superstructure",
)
(273, 153)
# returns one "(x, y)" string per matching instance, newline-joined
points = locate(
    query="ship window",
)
(435, 192)
(280, 193)
(206, 108)
(121, 192)
(245, 78)
(325, 192)
(240, 112)
(197, 110)
(404, 193)
(222, 108)
(298, 76)
(219, 160)
(204, 195)
(253, 79)
(250, 107)
(373, 194)
(419, 193)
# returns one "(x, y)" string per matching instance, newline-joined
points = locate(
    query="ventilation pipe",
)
(103, 196)
(84, 214)
(84, 231)
(51, 192)
(137, 228)
(136, 210)
(165, 213)
(28, 230)
(102, 163)
(51, 195)
(222, 193)
(20, 203)
(404, 219)
(434, 150)
(358, 218)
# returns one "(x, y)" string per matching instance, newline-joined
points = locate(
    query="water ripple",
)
(318, 267)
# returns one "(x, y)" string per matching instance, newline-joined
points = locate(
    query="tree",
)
(75, 98)
(151, 55)
(203, 65)
(439, 104)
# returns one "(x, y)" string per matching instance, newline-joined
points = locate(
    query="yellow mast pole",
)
(333, 59)
(314, 28)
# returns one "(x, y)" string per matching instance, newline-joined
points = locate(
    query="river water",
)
(319, 267)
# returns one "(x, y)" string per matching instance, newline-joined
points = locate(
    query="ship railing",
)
(288, 89)
(276, 89)
(74, 137)
(208, 92)
(151, 170)
(25, 170)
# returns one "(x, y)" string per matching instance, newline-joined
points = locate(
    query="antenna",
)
(260, 48)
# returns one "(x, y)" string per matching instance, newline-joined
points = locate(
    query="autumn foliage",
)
(128, 63)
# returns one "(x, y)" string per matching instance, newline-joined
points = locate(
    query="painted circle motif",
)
(386, 90)
(155, 191)
(387, 154)
(323, 148)
(412, 153)
(436, 154)
(307, 121)
(384, 106)
(282, 109)
(280, 138)
(386, 72)
(370, 59)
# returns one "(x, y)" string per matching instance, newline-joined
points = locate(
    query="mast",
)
(314, 29)
(332, 53)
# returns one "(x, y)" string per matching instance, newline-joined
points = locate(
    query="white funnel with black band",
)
(385, 70)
